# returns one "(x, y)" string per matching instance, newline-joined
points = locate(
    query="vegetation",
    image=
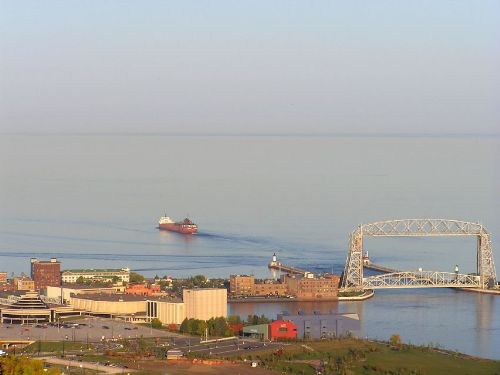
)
(351, 293)
(217, 327)
(136, 278)
(54, 347)
(361, 357)
(12, 365)
(198, 281)
(234, 319)
(156, 323)
(94, 282)
(255, 319)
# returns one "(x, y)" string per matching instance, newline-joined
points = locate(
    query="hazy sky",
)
(250, 66)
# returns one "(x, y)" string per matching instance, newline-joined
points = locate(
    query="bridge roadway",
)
(392, 279)
(421, 279)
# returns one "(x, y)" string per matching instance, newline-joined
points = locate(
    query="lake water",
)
(94, 201)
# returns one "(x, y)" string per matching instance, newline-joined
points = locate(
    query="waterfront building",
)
(3, 277)
(45, 273)
(270, 288)
(241, 285)
(313, 288)
(282, 330)
(317, 326)
(102, 275)
(257, 331)
(29, 308)
(205, 303)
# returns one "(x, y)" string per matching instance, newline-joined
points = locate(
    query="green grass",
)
(424, 361)
(54, 346)
(360, 357)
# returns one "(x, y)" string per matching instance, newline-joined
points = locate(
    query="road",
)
(86, 365)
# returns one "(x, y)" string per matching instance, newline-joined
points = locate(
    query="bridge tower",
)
(353, 271)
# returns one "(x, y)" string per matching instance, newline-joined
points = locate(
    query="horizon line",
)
(261, 134)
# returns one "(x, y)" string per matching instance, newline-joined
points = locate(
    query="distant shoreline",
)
(257, 135)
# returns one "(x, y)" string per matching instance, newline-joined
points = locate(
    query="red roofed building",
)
(143, 290)
(282, 330)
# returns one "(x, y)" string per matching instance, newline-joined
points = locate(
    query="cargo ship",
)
(185, 226)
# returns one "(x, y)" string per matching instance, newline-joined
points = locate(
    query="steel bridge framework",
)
(353, 271)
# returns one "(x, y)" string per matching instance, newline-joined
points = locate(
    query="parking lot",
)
(104, 333)
(89, 329)
(223, 347)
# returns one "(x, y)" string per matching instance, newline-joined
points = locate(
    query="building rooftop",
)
(98, 270)
(125, 298)
(85, 286)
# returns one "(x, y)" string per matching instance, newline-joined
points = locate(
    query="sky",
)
(242, 67)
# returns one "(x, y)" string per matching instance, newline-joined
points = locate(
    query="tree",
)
(156, 323)
(395, 341)
(136, 277)
(185, 326)
(255, 319)
(12, 365)
(201, 328)
(218, 326)
(234, 319)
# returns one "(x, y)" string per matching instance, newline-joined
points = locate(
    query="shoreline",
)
(495, 292)
(368, 294)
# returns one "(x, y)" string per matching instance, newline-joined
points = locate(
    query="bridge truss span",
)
(353, 272)
(421, 279)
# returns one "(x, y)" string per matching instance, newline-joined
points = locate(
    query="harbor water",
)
(93, 201)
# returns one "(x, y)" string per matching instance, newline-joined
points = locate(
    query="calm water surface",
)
(94, 201)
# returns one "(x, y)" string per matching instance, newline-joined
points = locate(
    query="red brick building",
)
(45, 273)
(143, 290)
(282, 330)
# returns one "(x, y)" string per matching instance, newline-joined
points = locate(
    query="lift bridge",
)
(485, 277)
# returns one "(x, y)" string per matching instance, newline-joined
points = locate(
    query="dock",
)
(286, 269)
(379, 268)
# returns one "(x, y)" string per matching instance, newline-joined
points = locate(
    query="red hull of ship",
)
(179, 228)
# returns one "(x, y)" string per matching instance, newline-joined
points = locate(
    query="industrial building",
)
(318, 325)
(282, 330)
(275, 331)
(257, 331)
(205, 303)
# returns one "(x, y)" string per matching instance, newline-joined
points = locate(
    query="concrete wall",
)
(205, 303)
(171, 312)
(108, 307)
